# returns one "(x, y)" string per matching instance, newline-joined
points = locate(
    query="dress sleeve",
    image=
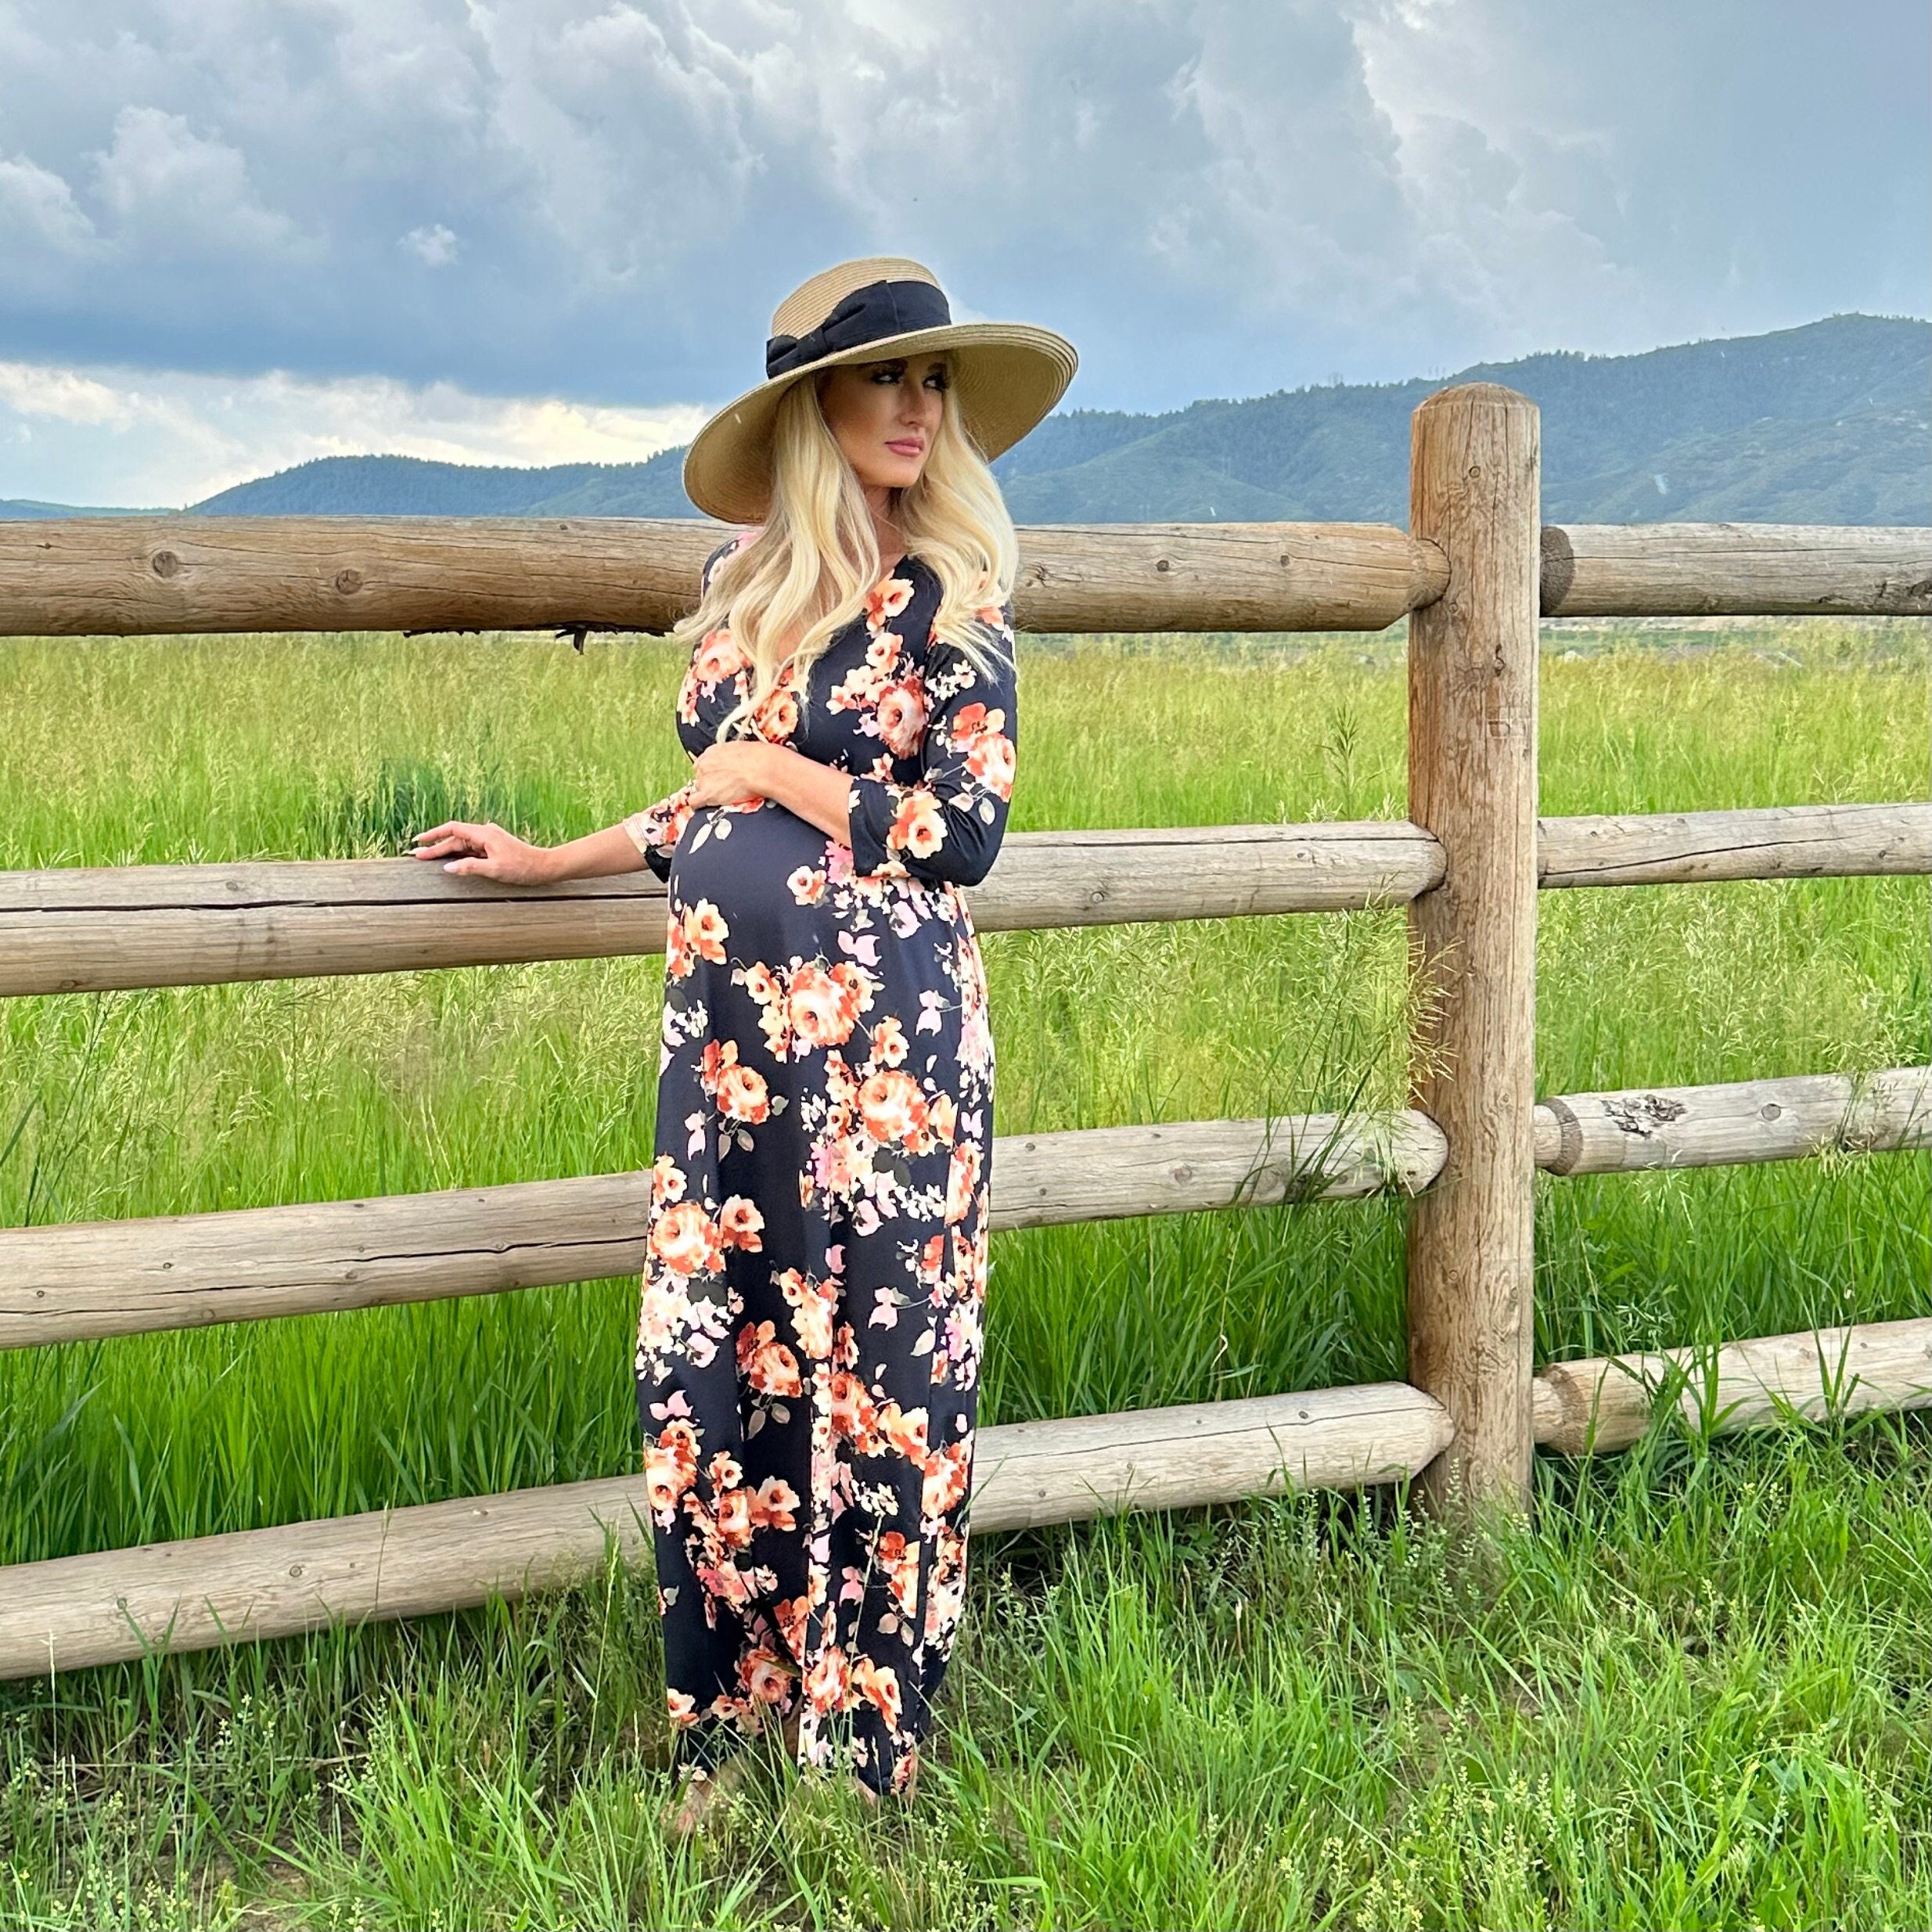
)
(948, 824)
(654, 831)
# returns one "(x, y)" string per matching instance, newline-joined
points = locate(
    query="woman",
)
(809, 1336)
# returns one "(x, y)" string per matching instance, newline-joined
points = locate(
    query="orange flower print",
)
(719, 655)
(671, 1467)
(901, 714)
(962, 1180)
(725, 1581)
(885, 601)
(932, 1258)
(829, 1681)
(739, 1222)
(900, 1561)
(793, 1617)
(889, 1045)
(733, 1513)
(685, 1239)
(664, 1313)
(776, 717)
(880, 1683)
(904, 1431)
(740, 1092)
(893, 1109)
(947, 1472)
(992, 763)
(945, 1590)
(679, 962)
(823, 1005)
(765, 1362)
(813, 1304)
(705, 931)
(918, 828)
(774, 1505)
(765, 1679)
(854, 1414)
(856, 695)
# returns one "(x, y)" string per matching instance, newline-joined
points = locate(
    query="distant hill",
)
(21, 509)
(1827, 423)
(408, 486)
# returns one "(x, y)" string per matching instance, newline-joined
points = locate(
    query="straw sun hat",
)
(1005, 375)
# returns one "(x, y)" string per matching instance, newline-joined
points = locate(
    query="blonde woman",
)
(809, 1339)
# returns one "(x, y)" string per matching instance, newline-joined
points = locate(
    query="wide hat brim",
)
(1006, 378)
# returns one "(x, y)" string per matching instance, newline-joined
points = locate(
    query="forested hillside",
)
(1827, 423)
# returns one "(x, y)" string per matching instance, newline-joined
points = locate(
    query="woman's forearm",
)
(593, 856)
(815, 792)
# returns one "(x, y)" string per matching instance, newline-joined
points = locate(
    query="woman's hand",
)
(486, 851)
(733, 773)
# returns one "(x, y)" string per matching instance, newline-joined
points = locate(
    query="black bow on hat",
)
(867, 315)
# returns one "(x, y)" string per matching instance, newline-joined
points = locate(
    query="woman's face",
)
(884, 416)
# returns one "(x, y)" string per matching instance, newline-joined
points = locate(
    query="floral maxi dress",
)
(810, 1326)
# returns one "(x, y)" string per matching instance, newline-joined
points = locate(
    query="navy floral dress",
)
(809, 1334)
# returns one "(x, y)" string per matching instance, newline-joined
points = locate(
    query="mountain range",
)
(1830, 423)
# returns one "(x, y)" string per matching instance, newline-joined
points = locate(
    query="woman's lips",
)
(904, 448)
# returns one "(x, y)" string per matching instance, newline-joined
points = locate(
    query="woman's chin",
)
(897, 473)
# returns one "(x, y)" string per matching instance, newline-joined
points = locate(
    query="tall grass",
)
(1696, 1693)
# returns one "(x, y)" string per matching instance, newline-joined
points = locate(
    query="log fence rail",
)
(1473, 574)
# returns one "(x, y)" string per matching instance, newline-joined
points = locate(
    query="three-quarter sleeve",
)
(656, 830)
(947, 825)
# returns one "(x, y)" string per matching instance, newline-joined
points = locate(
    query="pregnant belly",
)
(777, 880)
(764, 868)
(784, 894)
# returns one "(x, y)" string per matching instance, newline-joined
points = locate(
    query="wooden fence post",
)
(1474, 490)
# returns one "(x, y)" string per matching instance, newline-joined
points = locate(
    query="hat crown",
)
(809, 304)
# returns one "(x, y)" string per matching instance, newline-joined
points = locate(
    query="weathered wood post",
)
(1474, 490)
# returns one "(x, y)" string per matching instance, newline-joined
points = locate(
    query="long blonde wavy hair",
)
(810, 567)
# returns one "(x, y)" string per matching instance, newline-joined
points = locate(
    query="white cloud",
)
(64, 396)
(182, 193)
(118, 436)
(434, 246)
(38, 212)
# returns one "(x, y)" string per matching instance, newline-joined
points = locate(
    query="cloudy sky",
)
(235, 234)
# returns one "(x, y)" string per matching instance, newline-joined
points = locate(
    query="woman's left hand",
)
(732, 773)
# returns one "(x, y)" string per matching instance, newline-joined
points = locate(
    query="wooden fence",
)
(1474, 573)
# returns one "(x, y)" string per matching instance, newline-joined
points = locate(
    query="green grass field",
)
(1698, 1693)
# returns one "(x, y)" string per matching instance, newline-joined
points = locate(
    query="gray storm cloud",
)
(537, 196)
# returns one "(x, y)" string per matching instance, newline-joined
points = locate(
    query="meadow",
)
(1696, 1692)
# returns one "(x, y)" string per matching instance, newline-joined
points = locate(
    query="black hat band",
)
(867, 315)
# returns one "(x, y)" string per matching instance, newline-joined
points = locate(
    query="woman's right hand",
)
(486, 851)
